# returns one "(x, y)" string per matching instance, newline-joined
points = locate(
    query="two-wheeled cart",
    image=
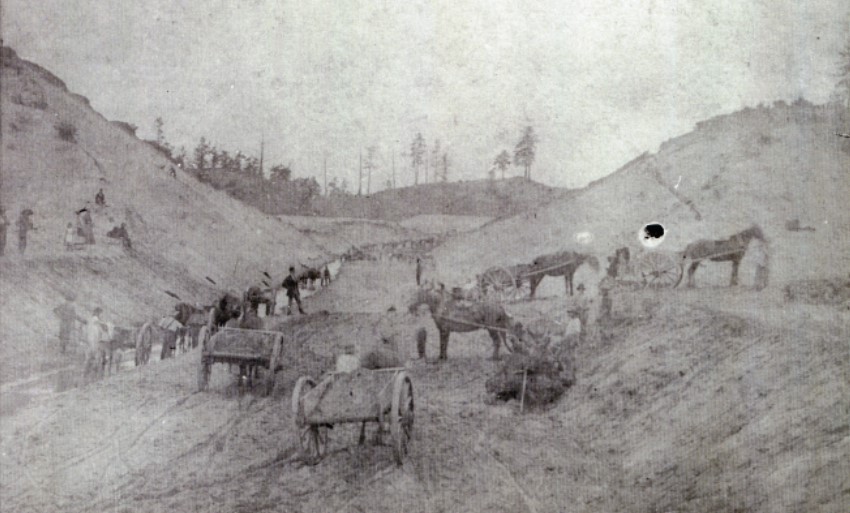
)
(384, 396)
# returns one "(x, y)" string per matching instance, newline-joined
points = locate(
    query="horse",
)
(226, 308)
(562, 263)
(732, 250)
(255, 296)
(309, 276)
(450, 315)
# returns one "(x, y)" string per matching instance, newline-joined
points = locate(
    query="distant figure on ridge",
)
(70, 239)
(762, 259)
(24, 226)
(100, 198)
(418, 271)
(4, 225)
(326, 277)
(290, 283)
(120, 232)
(85, 225)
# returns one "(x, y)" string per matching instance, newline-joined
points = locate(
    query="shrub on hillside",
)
(127, 127)
(66, 130)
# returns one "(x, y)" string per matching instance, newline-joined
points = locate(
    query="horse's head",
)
(754, 232)
(592, 261)
(229, 307)
(425, 294)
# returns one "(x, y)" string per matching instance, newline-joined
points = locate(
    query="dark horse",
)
(308, 276)
(562, 263)
(726, 250)
(450, 315)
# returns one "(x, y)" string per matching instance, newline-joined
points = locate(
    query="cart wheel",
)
(204, 368)
(401, 415)
(313, 438)
(303, 384)
(273, 362)
(660, 270)
(498, 284)
(314, 442)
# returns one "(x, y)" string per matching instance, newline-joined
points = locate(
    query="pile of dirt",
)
(826, 291)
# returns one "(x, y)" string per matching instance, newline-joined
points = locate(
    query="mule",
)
(732, 250)
(450, 315)
(562, 263)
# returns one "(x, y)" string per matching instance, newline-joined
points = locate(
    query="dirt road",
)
(694, 403)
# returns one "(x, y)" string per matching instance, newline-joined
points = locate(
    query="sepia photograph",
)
(425, 256)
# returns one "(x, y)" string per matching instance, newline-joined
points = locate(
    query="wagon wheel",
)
(273, 363)
(312, 437)
(660, 270)
(401, 415)
(498, 284)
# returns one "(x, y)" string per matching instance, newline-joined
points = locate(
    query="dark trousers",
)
(297, 301)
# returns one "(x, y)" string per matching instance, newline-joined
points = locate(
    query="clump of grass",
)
(67, 131)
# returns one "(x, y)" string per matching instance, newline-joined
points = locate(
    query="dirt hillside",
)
(768, 165)
(182, 232)
(488, 198)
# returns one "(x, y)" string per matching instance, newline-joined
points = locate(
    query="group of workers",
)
(81, 234)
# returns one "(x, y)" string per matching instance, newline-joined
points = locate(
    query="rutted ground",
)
(697, 402)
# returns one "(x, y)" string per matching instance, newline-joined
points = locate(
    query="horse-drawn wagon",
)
(249, 349)
(383, 396)
(662, 269)
(520, 281)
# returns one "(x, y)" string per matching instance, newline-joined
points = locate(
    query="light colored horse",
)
(732, 250)
(562, 263)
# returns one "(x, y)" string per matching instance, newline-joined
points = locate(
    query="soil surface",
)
(714, 399)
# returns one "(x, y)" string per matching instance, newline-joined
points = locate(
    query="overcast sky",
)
(601, 81)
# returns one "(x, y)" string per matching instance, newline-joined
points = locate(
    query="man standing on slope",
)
(290, 283)
(67, 321)
(24, 226)
(4, 224)
(418, 270)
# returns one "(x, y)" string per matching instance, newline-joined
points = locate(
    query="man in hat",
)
(24, 226)
(290, 283)
(88, 226)
(4, 224)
